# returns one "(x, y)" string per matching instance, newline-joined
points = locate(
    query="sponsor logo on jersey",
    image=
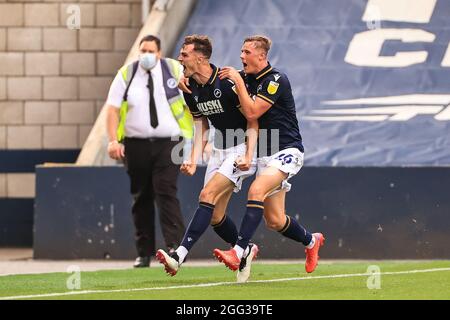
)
(210, 107)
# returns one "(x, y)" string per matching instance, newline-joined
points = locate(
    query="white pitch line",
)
(215, 284)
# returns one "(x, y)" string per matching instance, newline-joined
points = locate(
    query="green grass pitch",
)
(337, 280)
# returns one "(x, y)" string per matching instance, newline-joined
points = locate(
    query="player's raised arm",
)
(252, 109)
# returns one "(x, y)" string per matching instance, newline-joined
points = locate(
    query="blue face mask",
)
(148, 60)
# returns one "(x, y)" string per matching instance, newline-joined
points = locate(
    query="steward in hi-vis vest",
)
(171, 77)
(147, 119)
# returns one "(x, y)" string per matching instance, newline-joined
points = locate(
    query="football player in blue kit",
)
(233, 157)
(280, 152)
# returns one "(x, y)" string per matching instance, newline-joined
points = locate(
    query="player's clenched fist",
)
(183, 85)
(243, 163)
(188, 168)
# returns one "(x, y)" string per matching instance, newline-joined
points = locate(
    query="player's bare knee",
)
(207, 195)
(256, 193)
(216, 219)
(274, 223)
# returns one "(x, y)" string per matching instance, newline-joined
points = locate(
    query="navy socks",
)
(293, 230)
(251, 221)
(198, 224)
(226, 229)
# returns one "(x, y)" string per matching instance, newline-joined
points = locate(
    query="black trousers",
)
(153, 177)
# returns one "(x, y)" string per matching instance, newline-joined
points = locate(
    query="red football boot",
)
(312, 255)
(229, 258)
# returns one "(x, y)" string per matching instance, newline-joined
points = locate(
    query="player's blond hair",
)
(261, 42)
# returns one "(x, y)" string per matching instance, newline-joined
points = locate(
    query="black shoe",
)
(142, 262)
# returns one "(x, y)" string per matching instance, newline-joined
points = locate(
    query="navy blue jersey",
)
(217, 100)
(280, 122)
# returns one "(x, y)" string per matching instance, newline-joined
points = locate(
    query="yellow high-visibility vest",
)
(171, 77)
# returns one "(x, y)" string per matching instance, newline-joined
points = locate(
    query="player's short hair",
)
(261, 42)
(201, 44)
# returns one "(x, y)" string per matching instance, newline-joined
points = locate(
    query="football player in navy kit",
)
(280, 156)
(233, 158)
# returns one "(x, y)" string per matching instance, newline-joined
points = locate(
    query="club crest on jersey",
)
(272, 87)
(196, 98)
(217, 93)
(171, 83)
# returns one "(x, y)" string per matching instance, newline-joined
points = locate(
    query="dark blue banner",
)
(371, 78)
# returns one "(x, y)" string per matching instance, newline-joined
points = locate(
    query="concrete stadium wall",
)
(53, 83)
(365, 213)
(54, 79)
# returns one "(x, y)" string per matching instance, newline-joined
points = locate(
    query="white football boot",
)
(246, 263)
(170, 261)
